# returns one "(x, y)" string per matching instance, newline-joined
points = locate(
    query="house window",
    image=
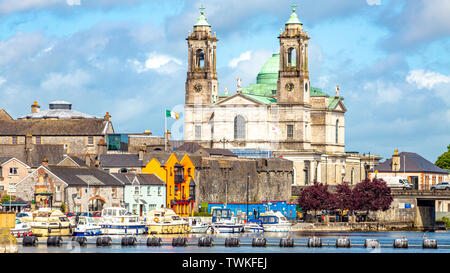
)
(114, 191)
(14, 140)
(148, 190)
(13, 171)
(159, 191)
(38, 140)
(90, 140)
(136, 190)
(239, 127)
(198, 132)
(290, 131)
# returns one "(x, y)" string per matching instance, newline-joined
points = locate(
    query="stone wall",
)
(225, 180)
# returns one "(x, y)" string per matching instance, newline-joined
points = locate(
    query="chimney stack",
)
(101, 147)
(107, 117)
(142, 150)
(395, 161)
(87, 159)
(35, 108)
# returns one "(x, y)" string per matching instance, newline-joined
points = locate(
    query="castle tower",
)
(202, 87)
(293, 80)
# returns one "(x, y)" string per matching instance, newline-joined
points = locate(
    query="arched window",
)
(96, 205)
(292, 57)
(239, 127)
(200, 58)
(337, 131)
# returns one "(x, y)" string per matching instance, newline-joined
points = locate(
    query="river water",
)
(357, 240)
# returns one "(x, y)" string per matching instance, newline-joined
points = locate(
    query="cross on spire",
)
(293, 7)
(202, 9)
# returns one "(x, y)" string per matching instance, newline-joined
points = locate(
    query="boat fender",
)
(232, 242)
(128, 241)
(30, 241)
(179, 241)
(401, 243)
(371, 243)
(259, 242)
(314, 242)
(154, 241)
(343, 242)
(206, 241)
(104, 241)
(54, 241)
(156, 219)
(81, 240)
(429, 243)
(286, 242)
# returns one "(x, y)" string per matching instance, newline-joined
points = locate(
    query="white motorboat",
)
(166, 221)
(116, 221)
(197, 226)
(254, 226)
(86, 226)
(47, 222)
(224, 222)
(275, 221)
(21, 229)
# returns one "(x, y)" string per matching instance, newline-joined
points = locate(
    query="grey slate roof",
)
(53, 152)
(410, 162)
(4, 159)
(44, 127)
(143, 179)
(81, 176)
(120, 160)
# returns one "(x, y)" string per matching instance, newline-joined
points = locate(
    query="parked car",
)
(441, 186)
(97, 214)
(89, 214)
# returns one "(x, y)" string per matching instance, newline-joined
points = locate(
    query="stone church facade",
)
(281, 114)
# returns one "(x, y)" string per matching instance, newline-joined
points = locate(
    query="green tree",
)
(443, 160)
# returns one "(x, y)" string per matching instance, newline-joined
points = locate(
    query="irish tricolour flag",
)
(172, 114)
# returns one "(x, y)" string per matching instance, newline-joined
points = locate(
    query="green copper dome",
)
(201, 21)
(269, 72)
(293, 20)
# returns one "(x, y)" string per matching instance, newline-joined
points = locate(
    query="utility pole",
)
(248, 182)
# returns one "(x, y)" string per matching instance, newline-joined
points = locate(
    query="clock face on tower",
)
(289, 86)
(197, 87)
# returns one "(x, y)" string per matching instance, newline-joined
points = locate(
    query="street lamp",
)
(248, 182)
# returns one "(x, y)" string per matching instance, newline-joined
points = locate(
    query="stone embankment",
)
(8, 243)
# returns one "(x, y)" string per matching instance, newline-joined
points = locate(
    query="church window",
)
(337, 130)
(200, 61)
(239, 127)
(292, 57)
(290, 131)
(198, 132)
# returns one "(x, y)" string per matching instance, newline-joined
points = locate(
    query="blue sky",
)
(391, 60)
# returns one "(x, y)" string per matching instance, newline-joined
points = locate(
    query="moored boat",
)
(21, 229)
(254, 226)
(47, 222)
(86, 226)
(223, 221)
(197, 226)
(275, 221)
(116, 221)
(166, 221)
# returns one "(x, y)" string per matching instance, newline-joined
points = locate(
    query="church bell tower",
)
(293, 80)
(202, 87)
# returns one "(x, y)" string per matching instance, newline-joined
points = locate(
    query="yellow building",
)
(179, 177)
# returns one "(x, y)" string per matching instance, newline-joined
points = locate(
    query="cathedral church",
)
(281, 115)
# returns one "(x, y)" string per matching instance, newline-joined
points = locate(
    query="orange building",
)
(179, 177)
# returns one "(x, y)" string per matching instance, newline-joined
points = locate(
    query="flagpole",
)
(165, 132)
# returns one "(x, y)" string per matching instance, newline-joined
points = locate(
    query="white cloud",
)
(2, 80)
(10, 6)
(66, 82)
(158, 62)
(246, 56)
(373, 2)
(384, 92)
(73, 2)
(426, 79)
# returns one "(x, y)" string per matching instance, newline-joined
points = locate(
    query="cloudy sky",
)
(391, 60)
